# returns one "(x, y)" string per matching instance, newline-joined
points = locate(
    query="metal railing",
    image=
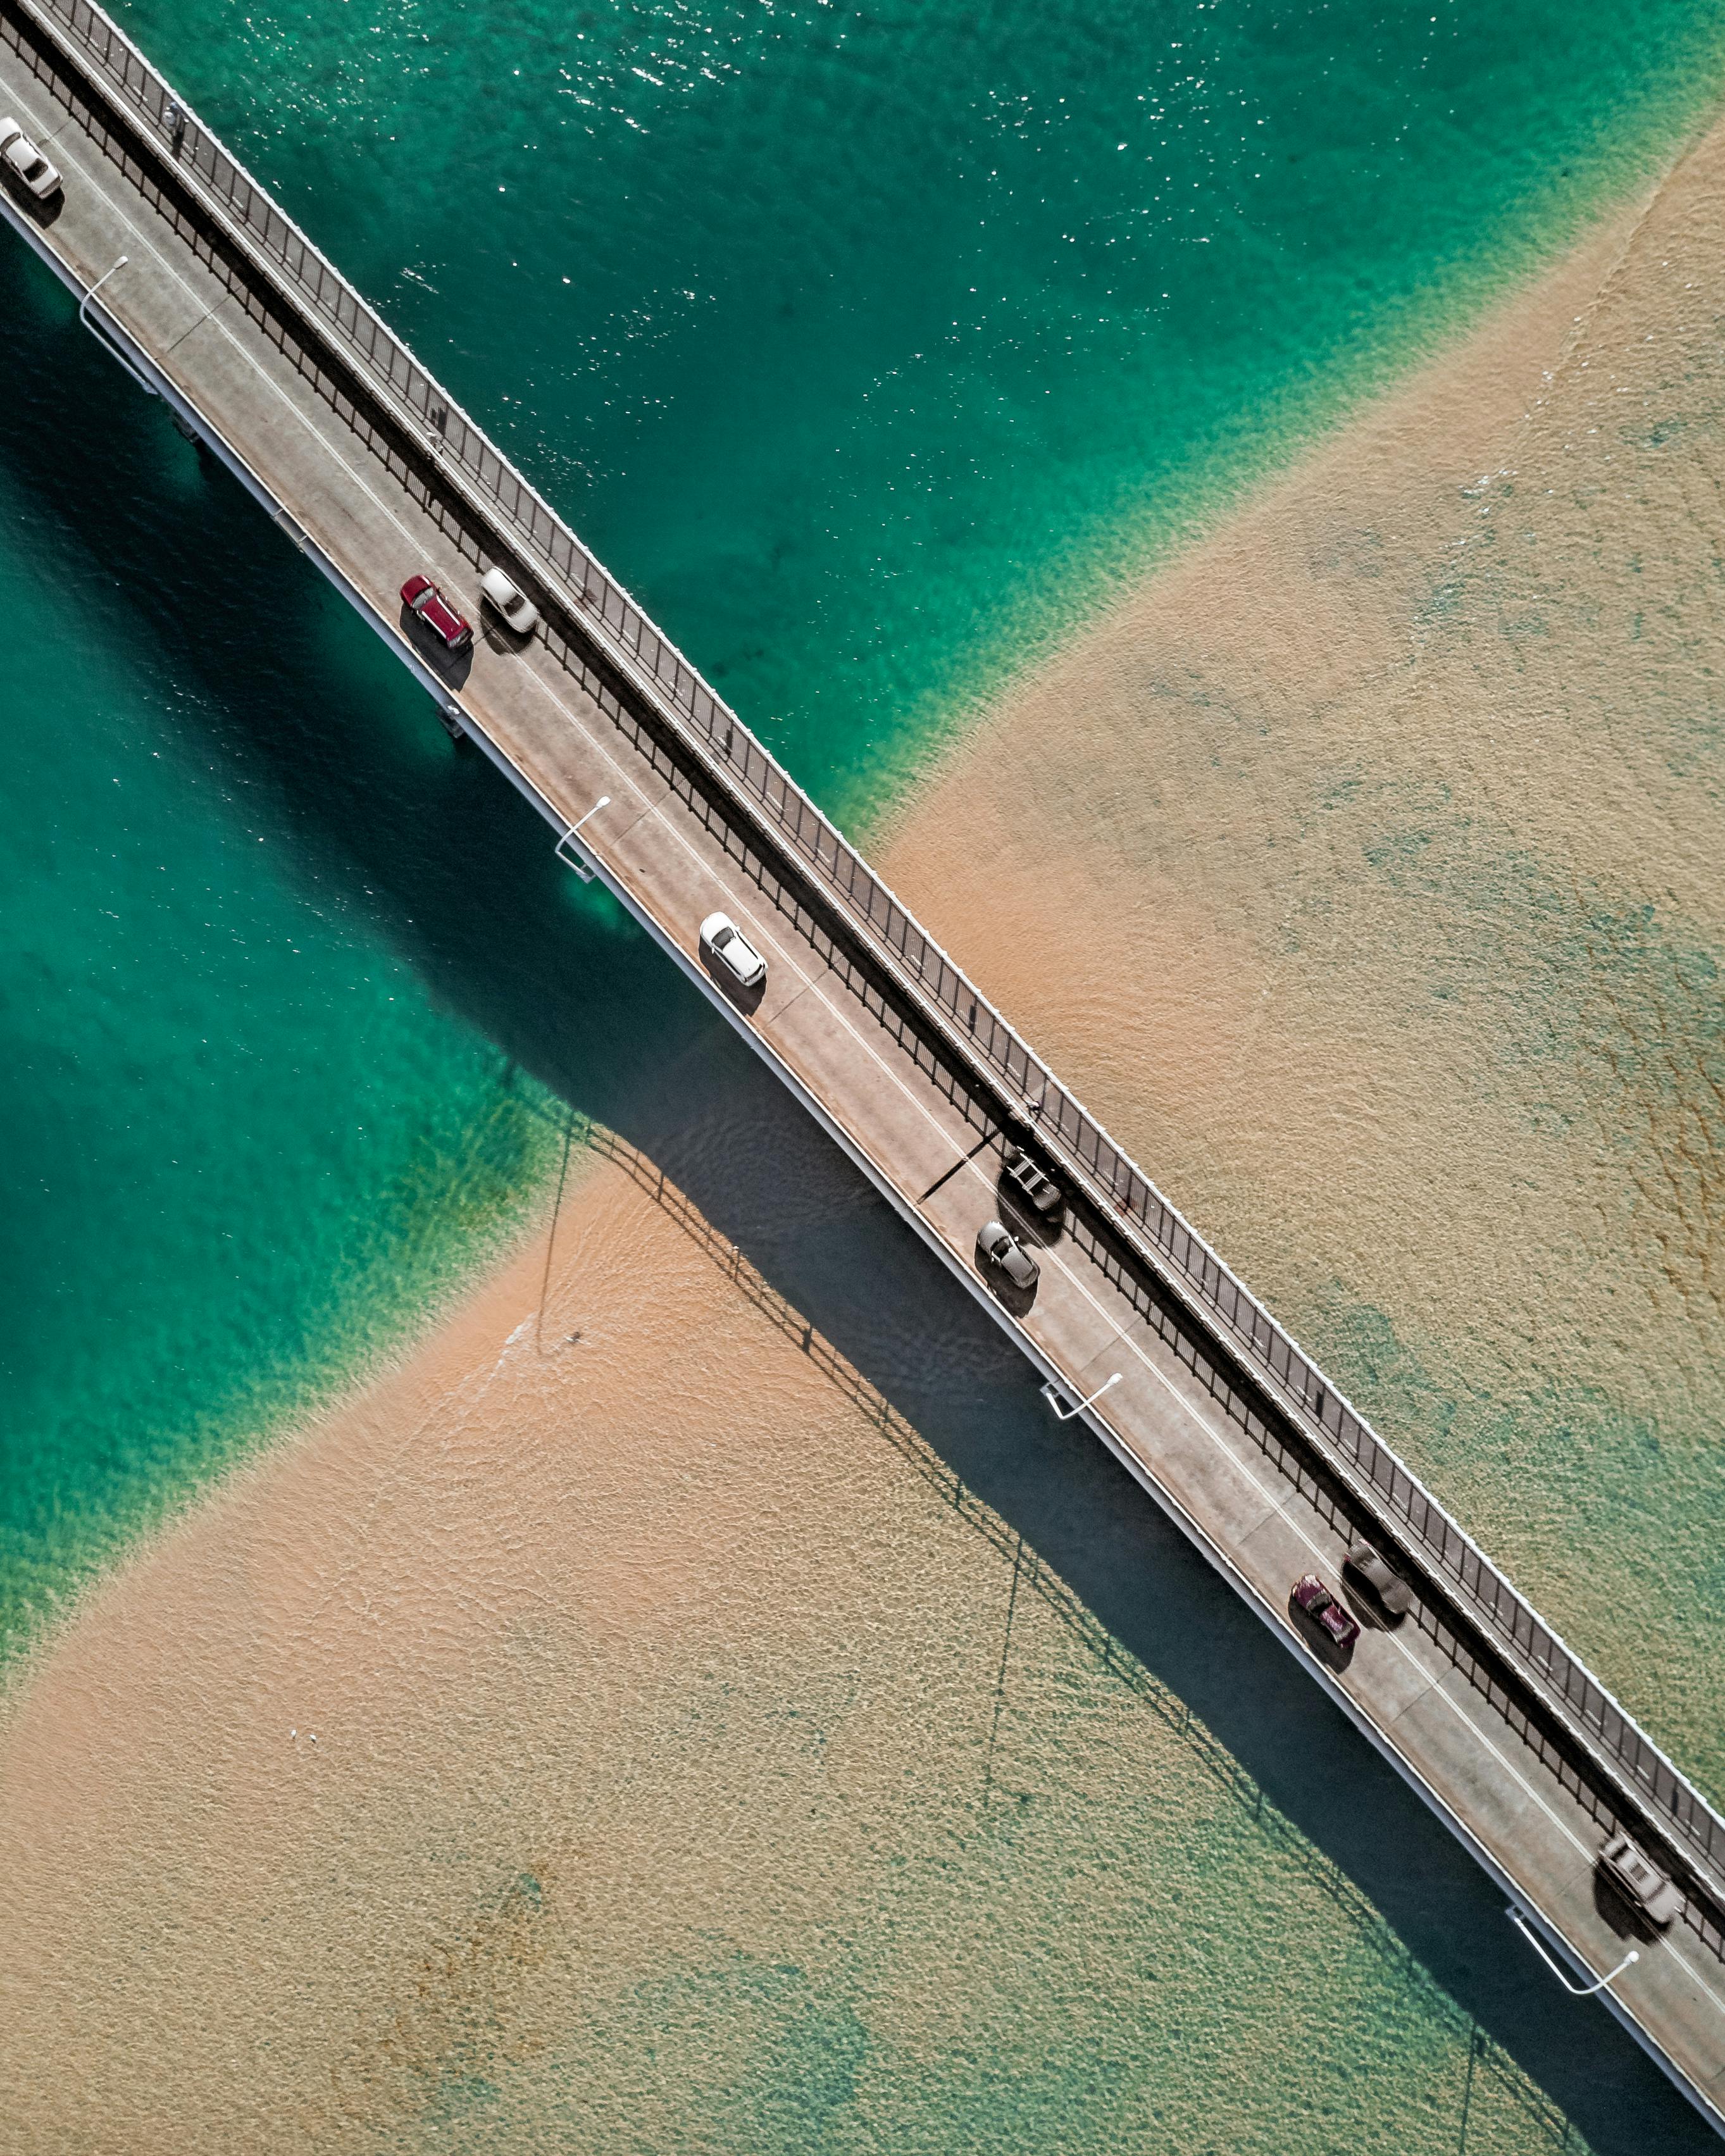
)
(1173, 1248)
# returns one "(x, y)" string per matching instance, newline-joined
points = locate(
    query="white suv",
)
(719, 936)
(26, 162)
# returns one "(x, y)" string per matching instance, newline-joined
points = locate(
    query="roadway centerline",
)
(1278, 1503)
(858, 1119)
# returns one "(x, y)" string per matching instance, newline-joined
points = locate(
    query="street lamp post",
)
(1519, 1918)
(569, 861)
(102, 338)
(1050, 1393)
(97, 287)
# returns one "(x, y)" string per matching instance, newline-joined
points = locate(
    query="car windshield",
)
(36, 166)
(723, 936)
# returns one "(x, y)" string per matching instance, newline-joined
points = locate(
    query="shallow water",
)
(887, 341)
(243, 1147)
(1400, 957)
(671, 1715)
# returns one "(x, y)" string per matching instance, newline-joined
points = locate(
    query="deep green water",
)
(864, 343)
(867, 346)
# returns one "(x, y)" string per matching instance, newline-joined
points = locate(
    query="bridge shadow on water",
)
(314, 726)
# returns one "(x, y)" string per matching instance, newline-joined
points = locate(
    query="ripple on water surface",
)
(867, 348)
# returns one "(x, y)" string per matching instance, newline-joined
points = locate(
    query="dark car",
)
(1640, 1882)
(420, 596)
(1390, 1594)
(1000, 1250)
(1039, 1191)
(1311, 1596)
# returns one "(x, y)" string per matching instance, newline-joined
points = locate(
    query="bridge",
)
(213, 301)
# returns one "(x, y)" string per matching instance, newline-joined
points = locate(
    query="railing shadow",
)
(1468, 1629)
(459, 874)
(807, 1242)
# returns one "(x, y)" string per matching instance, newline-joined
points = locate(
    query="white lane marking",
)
(213, 314)
(1201, 1422)
(1278, 1505)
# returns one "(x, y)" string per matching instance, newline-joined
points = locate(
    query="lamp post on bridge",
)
(569, 861)
(1050, 1393)
(1519, 1918)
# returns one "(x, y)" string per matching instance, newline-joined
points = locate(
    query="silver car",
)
(1392, 1595)
(721, 940)
(1008, 1256)
(503, 592)
(26, 162)
(1640, 1882)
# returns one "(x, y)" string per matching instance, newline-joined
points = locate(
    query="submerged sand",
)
(1366, 876)
(617, 1729)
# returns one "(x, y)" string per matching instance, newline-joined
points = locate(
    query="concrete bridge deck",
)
(1212, 1411)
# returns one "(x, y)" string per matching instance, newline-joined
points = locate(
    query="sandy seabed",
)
(609, 1732)
(618, 1730)
(1366, 882)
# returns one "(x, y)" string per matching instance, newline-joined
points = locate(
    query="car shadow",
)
(450, 869)
(498, 636)
(1042, 1230)
(745, 1000)
(452, 668)
(1364, 1609)
(42, 214)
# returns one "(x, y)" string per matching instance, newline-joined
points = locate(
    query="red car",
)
(1311, 1596)
(420, 596)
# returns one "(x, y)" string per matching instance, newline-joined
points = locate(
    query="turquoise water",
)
(865, 345)
(868, 348)
(242, 1144)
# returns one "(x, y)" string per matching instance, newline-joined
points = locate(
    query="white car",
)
(719, 936)
(510, 601)
(27, 162)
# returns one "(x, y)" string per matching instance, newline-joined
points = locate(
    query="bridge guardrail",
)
(1164, 1238)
